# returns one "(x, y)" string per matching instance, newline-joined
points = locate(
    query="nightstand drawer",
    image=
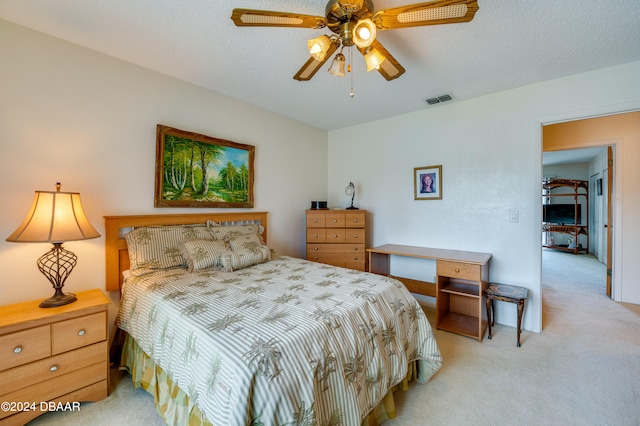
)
(78, 332)
(58, 386)
(25, 346)
(58, 365)
(464, 271)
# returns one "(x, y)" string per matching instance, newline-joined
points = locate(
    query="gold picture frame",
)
(427, 183)
(194, 170)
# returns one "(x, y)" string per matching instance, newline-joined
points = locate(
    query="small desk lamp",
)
(55, 217)
(350, 190)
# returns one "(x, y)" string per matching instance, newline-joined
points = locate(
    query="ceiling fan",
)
(354, 23)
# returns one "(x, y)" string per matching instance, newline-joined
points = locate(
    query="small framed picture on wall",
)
(427, 183)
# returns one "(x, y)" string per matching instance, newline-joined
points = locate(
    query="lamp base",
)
(58, 299)
(352, 208)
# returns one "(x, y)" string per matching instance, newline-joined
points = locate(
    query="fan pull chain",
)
(351, 93)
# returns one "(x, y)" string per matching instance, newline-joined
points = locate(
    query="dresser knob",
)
(53, 368)
(315, 220)
(355, 220)
(335, 220)
(355, 249)
(315, 258)
(315, 248)
(355, 258)
(355, 235)
(81, 332)
(335, 235)
(17, 349)
(457, 270)
(315, 235)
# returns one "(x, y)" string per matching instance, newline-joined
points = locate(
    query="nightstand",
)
(55, 355)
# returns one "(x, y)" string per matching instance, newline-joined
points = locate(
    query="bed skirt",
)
(175, 407)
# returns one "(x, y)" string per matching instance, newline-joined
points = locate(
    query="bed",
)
(223, 331)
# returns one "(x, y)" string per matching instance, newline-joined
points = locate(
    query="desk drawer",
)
(79, 332)
(316, 235)
(464, 271)
(25, 346)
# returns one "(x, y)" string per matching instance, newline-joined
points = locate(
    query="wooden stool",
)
(505, 293)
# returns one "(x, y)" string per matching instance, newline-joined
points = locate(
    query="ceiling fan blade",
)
(266, 18)
(312, 65)
(435, 12)
(390, 69)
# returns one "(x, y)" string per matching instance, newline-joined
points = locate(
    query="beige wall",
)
(89, 121)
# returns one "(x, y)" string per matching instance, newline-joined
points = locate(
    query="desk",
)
(460, 280)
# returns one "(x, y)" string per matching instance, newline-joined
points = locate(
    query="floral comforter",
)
(288, 341)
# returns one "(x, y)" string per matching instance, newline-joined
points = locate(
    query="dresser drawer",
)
(354, 235)
(354, 219)
(352, 260)
(316, 235)
(464, 271)
(340, 249)
(25, 346)
(58, 365)
(78, 332)
(315, 220)
(335, 235)
(335, 220)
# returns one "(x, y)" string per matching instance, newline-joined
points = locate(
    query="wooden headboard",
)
(117, 255)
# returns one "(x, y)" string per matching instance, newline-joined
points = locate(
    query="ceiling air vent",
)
(439, 99)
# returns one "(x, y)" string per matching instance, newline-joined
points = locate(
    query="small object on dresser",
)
(319, 205)
(350, 190)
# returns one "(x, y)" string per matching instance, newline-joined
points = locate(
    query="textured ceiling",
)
(508, 44)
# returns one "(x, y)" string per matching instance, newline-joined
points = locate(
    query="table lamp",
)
(55, 217)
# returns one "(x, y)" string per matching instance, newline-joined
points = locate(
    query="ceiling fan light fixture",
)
(318, 47)
(373, 58)
(364, 33)
(337, 66)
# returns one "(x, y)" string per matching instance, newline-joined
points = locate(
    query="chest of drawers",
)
(337, 237)
(52, 355)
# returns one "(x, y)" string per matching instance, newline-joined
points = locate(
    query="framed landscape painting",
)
(194, 170)
(427, 183)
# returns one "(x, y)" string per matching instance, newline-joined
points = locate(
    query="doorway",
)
(592, 167)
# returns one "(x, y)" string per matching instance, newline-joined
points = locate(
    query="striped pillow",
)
(246, 250)
(204, 254)
(156, 247)
(225, 232)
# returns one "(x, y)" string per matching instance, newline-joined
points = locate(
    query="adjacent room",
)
(346, 212)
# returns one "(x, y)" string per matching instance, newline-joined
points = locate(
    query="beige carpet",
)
(583, 369)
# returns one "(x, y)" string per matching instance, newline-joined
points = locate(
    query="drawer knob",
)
(355, 258)
(355, 249)
(315, 248)
(355, 220)
(457, 270)
(355, 235)
(17, 349)
(81, 332)
(335, 220)
(53, 368)
(315, 258)
(315, 220)
(335, 235)
(315, 235)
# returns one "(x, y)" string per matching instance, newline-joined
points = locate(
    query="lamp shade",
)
(364, 33)
(373, 58)
(318, 47)
(337, 66)
(54, 217)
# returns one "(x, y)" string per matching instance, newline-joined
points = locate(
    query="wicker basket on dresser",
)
(337, 237)
(52, 356)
